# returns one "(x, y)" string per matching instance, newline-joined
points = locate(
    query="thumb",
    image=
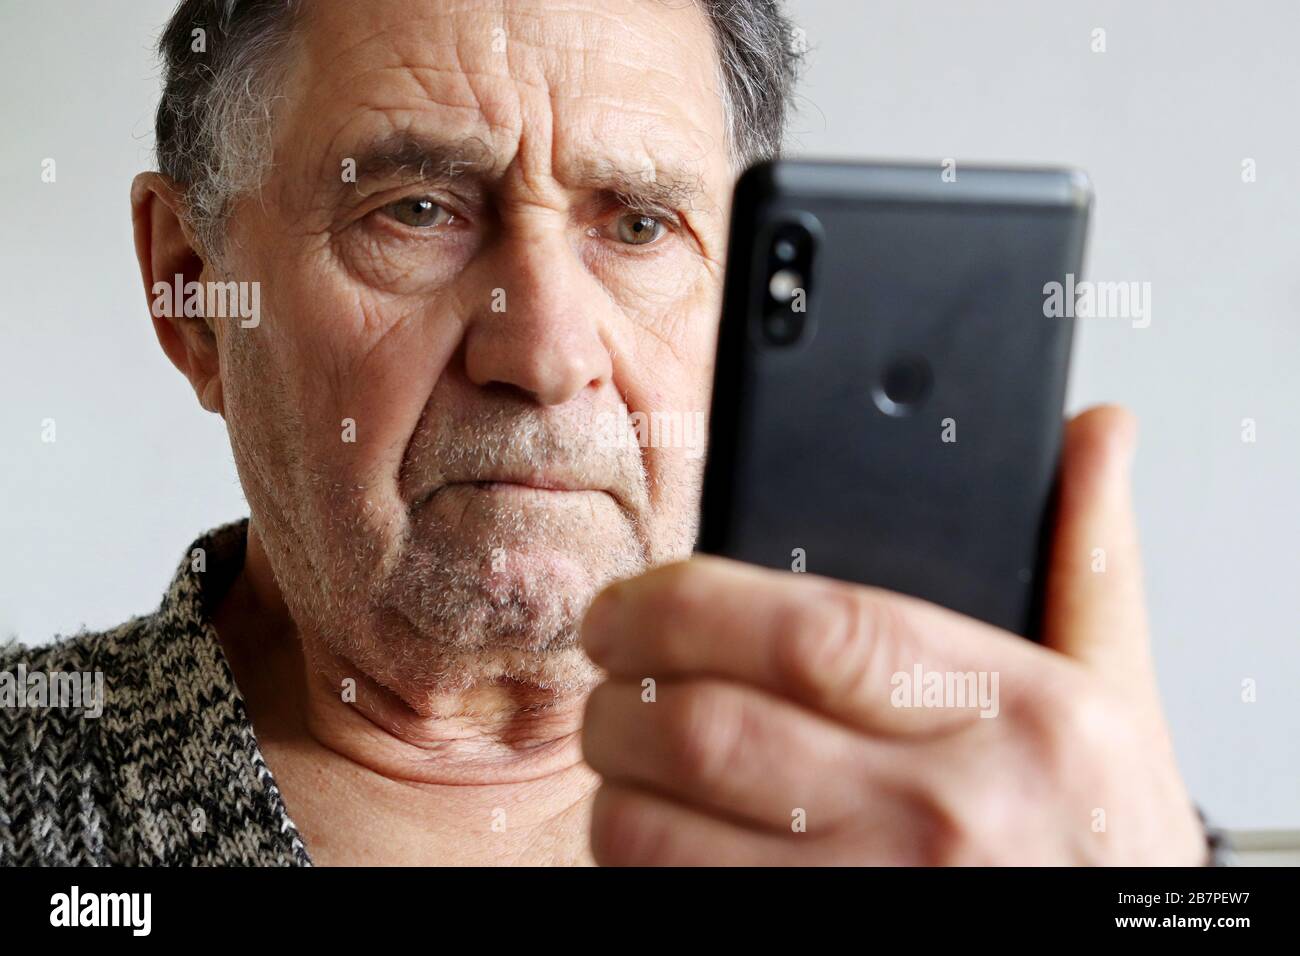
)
(1095, 611)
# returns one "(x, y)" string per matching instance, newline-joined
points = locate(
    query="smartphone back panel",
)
(904, 429)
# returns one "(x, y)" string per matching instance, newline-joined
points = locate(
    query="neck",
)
(489, 774)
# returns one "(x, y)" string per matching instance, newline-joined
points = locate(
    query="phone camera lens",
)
(782, 328)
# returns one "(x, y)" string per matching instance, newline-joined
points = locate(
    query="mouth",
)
(526, 488)
(537, 486)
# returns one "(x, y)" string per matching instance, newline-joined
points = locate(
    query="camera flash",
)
(783, 284)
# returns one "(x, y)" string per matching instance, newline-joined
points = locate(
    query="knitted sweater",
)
(170, 774)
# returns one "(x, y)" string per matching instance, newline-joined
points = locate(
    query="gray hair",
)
(223, 63)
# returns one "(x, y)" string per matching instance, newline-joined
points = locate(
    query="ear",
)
(166, 249)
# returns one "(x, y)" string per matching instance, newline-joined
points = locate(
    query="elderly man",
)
(472, 232)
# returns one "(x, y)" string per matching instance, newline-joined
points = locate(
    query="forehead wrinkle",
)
(335, 63)
(524, 27)
(411, 54)
(434, 99)
(554, 31)
(638, 175)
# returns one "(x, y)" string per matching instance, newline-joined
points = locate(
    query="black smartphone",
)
(890, 383)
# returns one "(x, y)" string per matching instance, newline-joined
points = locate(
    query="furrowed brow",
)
(410, 157)
(649, 188)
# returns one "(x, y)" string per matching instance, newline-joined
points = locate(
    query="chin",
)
(464, 609)
(519, 568)
(484, 589)
(537, 574)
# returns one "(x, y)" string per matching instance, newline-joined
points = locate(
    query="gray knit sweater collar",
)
(171, 772)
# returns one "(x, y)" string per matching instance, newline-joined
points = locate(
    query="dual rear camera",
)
(788, 279)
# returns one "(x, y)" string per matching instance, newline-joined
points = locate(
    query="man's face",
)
(533, 238)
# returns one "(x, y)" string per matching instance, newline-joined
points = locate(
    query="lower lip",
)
(515, 488)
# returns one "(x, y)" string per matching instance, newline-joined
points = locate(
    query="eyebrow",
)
(413, 157)
(407, 155)
(651, 188)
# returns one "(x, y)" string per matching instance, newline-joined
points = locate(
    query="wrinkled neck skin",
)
(493, 775)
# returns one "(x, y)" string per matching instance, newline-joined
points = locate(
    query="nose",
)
(539, 331)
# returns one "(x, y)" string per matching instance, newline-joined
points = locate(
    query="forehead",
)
(556, 83)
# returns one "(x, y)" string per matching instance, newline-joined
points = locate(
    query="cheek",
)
(674, 327)
(671, 293)
(667, 378)
(360, 366)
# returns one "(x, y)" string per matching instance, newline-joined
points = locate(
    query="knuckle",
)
(1091, 719)
(1076, 722)
(837, 645)
(708, 728)
(1072, 731)
(958, 830)
(940, 830)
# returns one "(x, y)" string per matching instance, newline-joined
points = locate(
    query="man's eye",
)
(638, 230)
(419, 212)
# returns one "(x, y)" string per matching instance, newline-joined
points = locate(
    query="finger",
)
(730, 750)
(856, 654)
(633, 827)
(1095, 611)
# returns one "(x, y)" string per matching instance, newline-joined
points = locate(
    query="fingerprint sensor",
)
(904, 385)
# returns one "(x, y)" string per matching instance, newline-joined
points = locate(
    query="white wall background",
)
(92, 525)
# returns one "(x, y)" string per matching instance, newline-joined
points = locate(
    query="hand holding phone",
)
(792, 721)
